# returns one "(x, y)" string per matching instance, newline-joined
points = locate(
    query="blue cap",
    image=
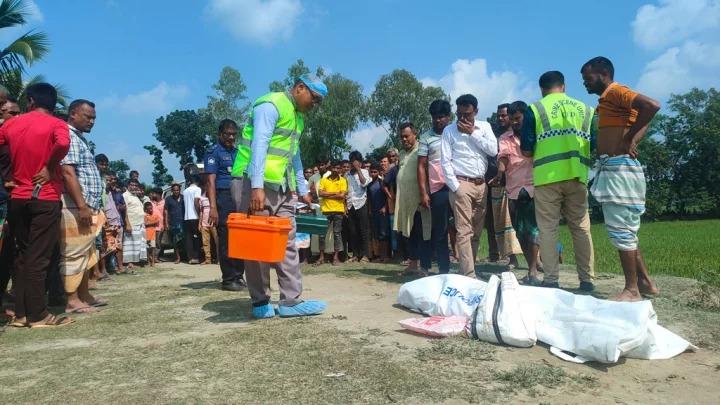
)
(314, 84)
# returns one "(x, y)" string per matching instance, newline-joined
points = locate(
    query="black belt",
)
(475, 181)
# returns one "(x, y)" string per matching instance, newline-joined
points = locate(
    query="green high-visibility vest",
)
(283, 143)
(562, 151)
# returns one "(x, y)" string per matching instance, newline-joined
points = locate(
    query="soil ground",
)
(170, 335)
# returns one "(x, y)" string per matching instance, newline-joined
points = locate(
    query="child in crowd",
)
(333, 190)
(207, 230)
(378, 214)
(151, 222)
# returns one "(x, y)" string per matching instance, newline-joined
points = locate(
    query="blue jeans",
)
(440, 210)
(380, 225)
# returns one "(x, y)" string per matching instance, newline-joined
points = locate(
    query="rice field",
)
(677, 248)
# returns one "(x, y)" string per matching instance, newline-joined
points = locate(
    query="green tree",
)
(16, 87)
(400, 97)
(186, 134)
(160, 175)
(229, 100)
(121, 169)
(328, 125)
(25, 50)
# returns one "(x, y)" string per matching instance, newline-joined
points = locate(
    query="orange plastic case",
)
(257, 238)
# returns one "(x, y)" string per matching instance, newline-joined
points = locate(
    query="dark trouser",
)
(359, 222)
(335, 222)
(440, 210)
(36, 226)
(379, 226)
(232, 269)
(493, 252)
(7, 258)
(418, 248)
(192, 239)
(53, 281)
(346, 234)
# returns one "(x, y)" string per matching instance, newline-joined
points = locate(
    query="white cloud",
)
(673, 21)
(490, 88)
(692, 30)
(160, 99)
(366, 139)
(261, 21)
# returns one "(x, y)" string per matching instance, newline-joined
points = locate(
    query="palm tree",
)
(29, 48)
(16, 86)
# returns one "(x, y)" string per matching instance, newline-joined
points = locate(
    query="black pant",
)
(36, 226)
(192, 239)
(440, 209)
(232, 269)
(359, 221)
(417, 247)
(493, 252)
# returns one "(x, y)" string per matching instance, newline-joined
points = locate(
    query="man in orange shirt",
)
(619, 184)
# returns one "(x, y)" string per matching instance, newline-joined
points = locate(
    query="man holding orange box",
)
(268, 178)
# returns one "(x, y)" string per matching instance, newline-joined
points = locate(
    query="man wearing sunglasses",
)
(267, 177)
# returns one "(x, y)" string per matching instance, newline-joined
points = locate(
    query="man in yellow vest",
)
(556, 133)
(268, 177)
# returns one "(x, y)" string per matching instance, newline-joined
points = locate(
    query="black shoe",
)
(550, 285)
(231, 286)
(587, 286)
(241, 282)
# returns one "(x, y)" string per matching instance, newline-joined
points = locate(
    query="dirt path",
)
(694, 377)
(170, 335)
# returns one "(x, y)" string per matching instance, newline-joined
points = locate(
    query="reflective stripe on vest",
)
(562, 151)
(283, 144)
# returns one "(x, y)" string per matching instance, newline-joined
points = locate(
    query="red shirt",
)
(34, 139)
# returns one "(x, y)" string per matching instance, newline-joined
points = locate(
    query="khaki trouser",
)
(209, 233)
(257, 274)
(569, 200)
(468, 203)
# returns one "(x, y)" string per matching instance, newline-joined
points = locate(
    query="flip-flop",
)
(99, 302)
(18, 324)
(83, 310)
(53, 322)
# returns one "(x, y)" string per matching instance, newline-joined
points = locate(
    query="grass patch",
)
(456, 349)
(527, 377)
(677, 248)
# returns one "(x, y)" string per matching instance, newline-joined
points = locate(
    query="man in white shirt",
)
(191, 197)
(465, 148)
(357, 209)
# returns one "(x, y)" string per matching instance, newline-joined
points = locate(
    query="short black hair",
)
(345, 161)
(156, 190)
(226, 123)
(517, 106)
(375, 166)
(101, 158)
(503, 105)
(440, 107)
(467, 99)
(11, 100)
(551, 79)
(322, 160)
(355, 155)
(133, 181)
(134, 171)
(407, 125)
(336, 163)
(77, 103)
(147, 204)
(43, 95)
(175, 185)
(600, 64)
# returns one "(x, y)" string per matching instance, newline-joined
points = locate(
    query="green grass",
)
(681, 248)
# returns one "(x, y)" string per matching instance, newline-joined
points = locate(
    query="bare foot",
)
(627, 296)
(177, 261)
(647, 287)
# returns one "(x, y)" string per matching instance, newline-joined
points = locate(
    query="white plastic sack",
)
(443, 295)
(500, 316)
(436, 325)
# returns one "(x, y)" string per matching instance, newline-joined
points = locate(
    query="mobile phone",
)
(36, 191)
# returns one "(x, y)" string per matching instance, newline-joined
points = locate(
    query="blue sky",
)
(142, 59)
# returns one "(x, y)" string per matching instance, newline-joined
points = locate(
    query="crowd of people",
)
(72, 222)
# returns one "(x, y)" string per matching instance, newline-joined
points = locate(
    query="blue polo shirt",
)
(219, 161)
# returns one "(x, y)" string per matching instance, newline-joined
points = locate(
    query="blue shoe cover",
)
(304, 308)
(262, 312)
